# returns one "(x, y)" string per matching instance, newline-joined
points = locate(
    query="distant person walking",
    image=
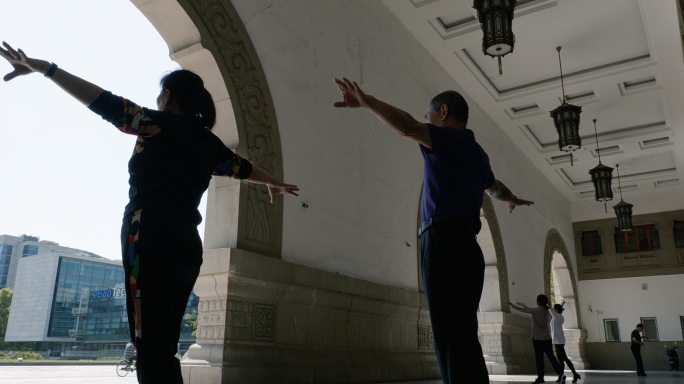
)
(637, 342)
(558, 339)
(541, 337)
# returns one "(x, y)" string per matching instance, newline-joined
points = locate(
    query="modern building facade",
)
(74, 305)
(13, 248)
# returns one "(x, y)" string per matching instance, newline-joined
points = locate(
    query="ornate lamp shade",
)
(566, 118)
(602, 176)
(496, 20)
(623, 211)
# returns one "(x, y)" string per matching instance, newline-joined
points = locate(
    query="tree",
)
(191, 321)
(5, 303)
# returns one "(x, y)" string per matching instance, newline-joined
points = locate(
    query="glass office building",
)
(74, 305)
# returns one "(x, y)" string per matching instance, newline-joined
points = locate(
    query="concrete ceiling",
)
(621, 62)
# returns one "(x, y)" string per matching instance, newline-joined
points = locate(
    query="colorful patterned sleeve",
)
(234, 166)
(125, 115)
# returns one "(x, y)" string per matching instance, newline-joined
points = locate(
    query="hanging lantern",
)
(496, 19)
(601, 176)
(623, 210)
(566, 118)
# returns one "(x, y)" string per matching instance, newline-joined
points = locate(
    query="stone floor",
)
(106, 374)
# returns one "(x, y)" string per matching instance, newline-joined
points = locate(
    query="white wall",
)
(361, 180)
(625, 300)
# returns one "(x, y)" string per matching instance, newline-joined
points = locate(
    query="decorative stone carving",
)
(425, 337)
(264, 322)
(490, 216)
(224, 35)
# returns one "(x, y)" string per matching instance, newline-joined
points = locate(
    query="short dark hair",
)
(456, 103)
(640, 325)
(188, 92)
(558, 307)
(542, 299)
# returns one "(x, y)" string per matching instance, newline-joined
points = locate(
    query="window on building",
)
(591, 243)
(678, 229)
(612, 328)
(5, 250)
(5, 258)
(29, 250)
(650, 328)
(641, 238)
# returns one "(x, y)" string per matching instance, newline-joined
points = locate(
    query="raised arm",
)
(80, 89)
(500, 191)
(401, 121)
(519, 306)
(275, 187)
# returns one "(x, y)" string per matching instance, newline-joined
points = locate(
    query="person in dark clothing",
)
(637, 342)
(456, 176)
(558, 338)
(541, 337)
(174, 158)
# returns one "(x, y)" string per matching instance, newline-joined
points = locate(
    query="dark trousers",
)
(563, 358)
(636, 351)
(541, 348)
(162, 255)
(453, 276)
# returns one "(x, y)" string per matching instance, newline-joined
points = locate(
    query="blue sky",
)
(63, 170)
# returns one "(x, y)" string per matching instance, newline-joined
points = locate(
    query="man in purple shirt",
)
(456, 175)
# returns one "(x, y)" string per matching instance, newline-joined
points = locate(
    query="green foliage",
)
(5, 303)
(27, 355)
(190, 320)
(17, 346)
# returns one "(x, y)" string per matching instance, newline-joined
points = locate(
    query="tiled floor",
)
(75, 374)
(588, 377)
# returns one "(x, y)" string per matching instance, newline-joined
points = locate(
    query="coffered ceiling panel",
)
(622, 62)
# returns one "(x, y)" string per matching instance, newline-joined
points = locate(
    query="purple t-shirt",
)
(456, 174)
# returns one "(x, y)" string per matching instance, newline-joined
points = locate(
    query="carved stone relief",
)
(225, 36)
(490, 216)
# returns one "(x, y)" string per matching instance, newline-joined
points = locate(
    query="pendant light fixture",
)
(602, 177)
(623, 210)
(566, 118)
(496, 20)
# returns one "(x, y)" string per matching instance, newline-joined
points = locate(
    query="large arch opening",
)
(560, 285)
(210, 39)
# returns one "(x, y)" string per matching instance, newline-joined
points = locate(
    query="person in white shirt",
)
(558, 338)
(541, 337)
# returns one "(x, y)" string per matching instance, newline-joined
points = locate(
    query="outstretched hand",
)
(23, 65)
(352, 95)
(516, 202)
(278, 188)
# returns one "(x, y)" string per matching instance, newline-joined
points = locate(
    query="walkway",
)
(106, 374)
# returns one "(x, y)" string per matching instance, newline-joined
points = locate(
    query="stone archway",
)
(208, 37)
(560, 282)
(263, 319)
(496, 345)
(496, 274)
(242, 227)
